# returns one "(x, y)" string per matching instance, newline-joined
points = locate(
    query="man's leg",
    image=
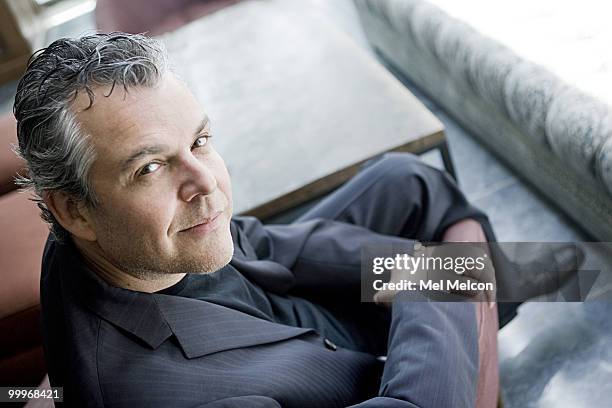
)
(399, 195)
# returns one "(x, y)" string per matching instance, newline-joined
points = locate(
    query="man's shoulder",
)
(70, 332)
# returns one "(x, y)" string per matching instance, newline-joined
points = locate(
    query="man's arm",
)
(251, 401)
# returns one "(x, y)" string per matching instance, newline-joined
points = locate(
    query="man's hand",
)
(464, 275)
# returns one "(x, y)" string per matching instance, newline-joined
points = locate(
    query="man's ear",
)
(72, 214)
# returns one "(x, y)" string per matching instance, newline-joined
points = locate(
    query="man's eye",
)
(201, 141)
(149, 168)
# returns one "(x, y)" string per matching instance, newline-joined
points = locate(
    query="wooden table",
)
(295, 105)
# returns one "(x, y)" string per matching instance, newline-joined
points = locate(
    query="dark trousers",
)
(397, 194)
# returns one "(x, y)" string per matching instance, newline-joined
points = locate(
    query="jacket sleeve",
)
(432, 359)
(385, 402)
(251, 401)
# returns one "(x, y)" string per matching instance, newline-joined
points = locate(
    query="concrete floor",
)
(552, 354)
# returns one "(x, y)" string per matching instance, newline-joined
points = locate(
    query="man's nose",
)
(198, 179)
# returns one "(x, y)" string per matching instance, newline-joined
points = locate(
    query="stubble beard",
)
(145, 262)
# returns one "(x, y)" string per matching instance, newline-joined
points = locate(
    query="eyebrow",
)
(156, 149)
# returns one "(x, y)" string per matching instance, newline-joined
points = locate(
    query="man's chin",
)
(215, 261)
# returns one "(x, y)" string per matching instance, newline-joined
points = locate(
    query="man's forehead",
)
(139, 110)
(104, 116)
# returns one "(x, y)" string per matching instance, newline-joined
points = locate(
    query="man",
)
(153, 295)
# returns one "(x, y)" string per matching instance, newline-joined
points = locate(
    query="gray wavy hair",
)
(58, 153)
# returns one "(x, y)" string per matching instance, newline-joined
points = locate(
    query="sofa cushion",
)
(25, 368)
(547, 125)
(21, 246)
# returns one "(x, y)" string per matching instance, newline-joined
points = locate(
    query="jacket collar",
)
(200, 327)
(134, 312)
(203, 328)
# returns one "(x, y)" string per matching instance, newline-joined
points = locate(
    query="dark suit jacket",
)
(114, 347)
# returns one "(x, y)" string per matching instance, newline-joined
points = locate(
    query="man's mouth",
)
(206, 225)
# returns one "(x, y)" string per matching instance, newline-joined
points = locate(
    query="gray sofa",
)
(554, 135)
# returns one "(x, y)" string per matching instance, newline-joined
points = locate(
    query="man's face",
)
(157, 176)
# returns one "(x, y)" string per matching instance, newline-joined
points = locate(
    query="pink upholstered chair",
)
(152, 16)
(22, 239)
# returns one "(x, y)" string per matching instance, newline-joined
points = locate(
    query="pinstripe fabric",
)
(212, 352)
(118, 348)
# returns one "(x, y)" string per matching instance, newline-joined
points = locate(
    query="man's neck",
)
(105, 269)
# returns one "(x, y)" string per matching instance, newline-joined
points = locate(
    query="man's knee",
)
(396, 169)
(391, 159)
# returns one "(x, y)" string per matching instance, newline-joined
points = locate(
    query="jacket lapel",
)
(271, 276)
(203, 328)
